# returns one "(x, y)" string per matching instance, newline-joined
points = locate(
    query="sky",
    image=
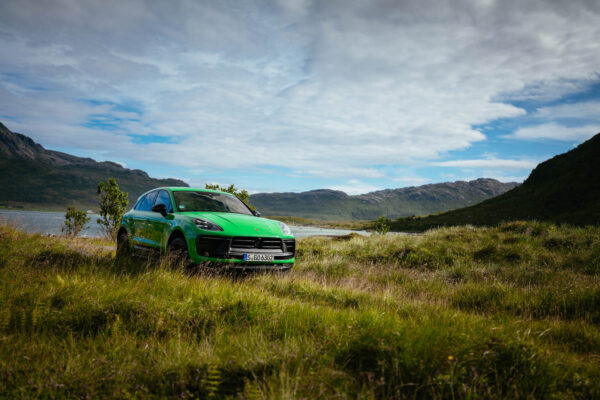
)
(295, 95)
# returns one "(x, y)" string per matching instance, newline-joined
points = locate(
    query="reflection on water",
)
(51, 223)
(305, 231)
(47, 222)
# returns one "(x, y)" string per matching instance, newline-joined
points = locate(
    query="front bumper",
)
(230, 250)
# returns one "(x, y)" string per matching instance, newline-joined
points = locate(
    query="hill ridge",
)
(32, 176)
(14, 145)
(562, 189)
(331, 204)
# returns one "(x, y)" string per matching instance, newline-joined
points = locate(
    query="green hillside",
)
(336, 205)
(563, 189)
(35, 178)
(36, 185)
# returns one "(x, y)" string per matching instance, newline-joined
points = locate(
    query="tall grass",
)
(507, 312)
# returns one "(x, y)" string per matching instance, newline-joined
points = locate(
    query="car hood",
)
(240, 224)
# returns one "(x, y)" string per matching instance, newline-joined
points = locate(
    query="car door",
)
(140, 219)
(133, 219)
(130, 218)
(158, 225)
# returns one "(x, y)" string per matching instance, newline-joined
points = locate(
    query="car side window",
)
(147, 202)
(139, 203)
(164, 198)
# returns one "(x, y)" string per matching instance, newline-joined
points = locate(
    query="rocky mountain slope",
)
(563, 189)
(393, 203)
(34, 177)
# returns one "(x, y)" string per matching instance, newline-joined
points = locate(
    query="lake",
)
(51, 223)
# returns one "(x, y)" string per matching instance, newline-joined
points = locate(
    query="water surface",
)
(50, 223)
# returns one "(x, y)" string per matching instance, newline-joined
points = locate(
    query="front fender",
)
(169, 234)
(125, 224)
(186, 227)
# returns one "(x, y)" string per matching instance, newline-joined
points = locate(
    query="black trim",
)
(227, 247)
(213, 246)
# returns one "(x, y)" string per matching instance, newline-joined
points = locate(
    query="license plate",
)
(259, 257)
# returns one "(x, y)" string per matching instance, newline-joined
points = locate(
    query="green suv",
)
(206, 226)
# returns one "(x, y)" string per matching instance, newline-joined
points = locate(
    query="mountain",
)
(393, 203)
(34, 177)
(563, 189)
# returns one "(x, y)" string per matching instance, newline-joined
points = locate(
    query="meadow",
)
(506, 312)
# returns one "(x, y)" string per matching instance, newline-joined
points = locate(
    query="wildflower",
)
(450, 357)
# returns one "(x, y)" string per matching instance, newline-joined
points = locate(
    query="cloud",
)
(327, 171)
(354, 187)
(566, 122)
(411, 180)
(336, 89)
(556, 131)
(581, 111)
(490, 163)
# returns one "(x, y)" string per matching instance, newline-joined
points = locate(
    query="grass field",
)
(506, 312)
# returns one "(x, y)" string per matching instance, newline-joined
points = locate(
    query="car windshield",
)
(206, 201)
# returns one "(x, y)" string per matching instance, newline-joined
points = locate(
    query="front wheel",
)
(178, 252)
(123, 246)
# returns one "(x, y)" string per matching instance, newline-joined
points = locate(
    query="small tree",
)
(240, 194)
(112, 206)
(75, 220)
(381, 226)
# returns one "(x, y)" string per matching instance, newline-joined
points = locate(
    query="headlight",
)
(286, 229)
(206, 225)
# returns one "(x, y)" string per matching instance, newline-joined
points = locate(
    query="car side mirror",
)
(160, 208)
(256, 213)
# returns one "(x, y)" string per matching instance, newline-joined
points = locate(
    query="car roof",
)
(179, 189)
(187, 189)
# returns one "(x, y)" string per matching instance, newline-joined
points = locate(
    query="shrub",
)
(381, 226)
(112, 206)
(75, 220)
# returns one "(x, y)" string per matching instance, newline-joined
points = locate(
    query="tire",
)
(178, 251)
(123, 246)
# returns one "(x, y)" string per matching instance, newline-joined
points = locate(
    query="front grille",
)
(269, 243)
(236, 247)
(242, 242)
(289, 246)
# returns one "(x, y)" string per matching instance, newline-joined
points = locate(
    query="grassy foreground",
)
(506, 312)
